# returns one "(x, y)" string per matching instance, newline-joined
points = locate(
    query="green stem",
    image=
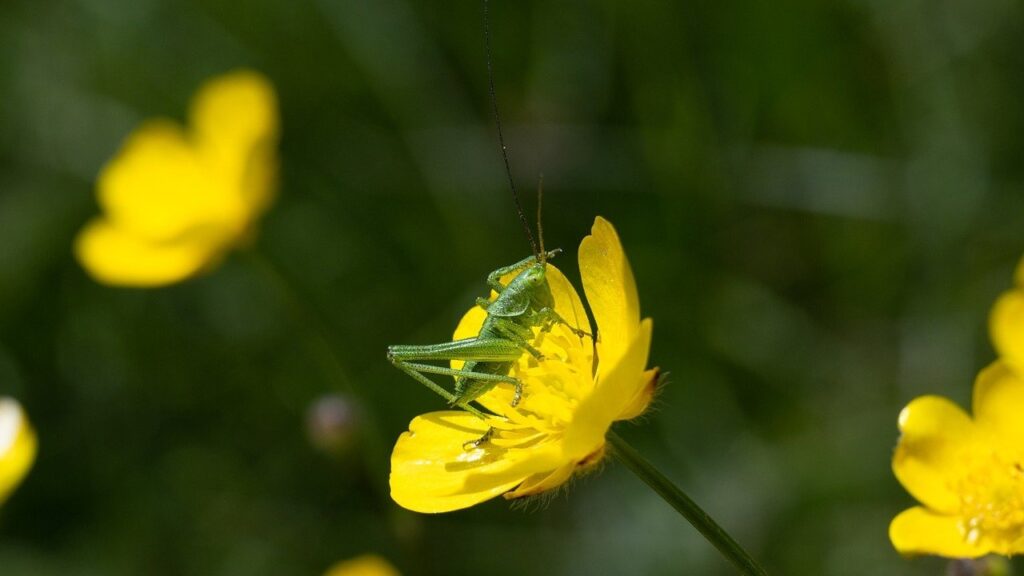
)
(685, 506)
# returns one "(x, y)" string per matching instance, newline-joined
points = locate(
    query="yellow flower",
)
(1006, 323)
(570, 398)
(366, 565)
(17, 446)
(175, 201)
(968, 473)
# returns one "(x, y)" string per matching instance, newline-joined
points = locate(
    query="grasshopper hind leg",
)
(488, 361)
(473, 383)
(451, 398)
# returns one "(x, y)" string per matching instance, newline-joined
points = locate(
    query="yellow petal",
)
(365, 565)
(612, 395)
(114, 256)
(470, 323)
(999, 402)
(543, 482)
(567, 300)
(432, 471)
(159, 188)
(934, 451)
(468, 327)
(235, 110)
(1006, 326)
(921, 531)
(234, 121)
(17, 446)
(611, 290)
(644, 394)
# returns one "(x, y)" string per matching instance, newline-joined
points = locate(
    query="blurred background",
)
(820, 201)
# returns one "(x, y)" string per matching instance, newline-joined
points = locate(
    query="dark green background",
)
(820, 201)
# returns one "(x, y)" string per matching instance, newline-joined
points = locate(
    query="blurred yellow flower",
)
(570, 398)
(1006, 323)
(968, 473)
(175, 201)
(17, 446)
(366, 565)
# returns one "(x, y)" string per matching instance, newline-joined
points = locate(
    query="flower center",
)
(554, 386)
(992, 502)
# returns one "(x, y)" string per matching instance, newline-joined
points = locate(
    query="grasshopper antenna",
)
(501, 137)
(540, 225)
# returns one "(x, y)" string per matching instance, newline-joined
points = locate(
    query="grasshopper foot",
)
(518, 394)
(533, 351)
(474, 444)
(581, 333)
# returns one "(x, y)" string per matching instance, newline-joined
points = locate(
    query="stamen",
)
(992, 502)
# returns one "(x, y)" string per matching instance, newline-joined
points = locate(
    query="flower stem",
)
(685, 506)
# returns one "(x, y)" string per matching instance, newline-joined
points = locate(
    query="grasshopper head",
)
(535, 275)
(536, 280)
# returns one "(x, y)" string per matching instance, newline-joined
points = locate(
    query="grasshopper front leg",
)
(547, 317)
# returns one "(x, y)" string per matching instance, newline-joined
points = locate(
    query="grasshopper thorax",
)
(527, 290)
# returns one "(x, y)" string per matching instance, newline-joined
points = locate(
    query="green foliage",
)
(820, 202)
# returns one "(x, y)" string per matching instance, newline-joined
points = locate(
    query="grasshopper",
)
(521, 305)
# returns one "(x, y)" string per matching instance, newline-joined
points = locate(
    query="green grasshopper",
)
(523, 304)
